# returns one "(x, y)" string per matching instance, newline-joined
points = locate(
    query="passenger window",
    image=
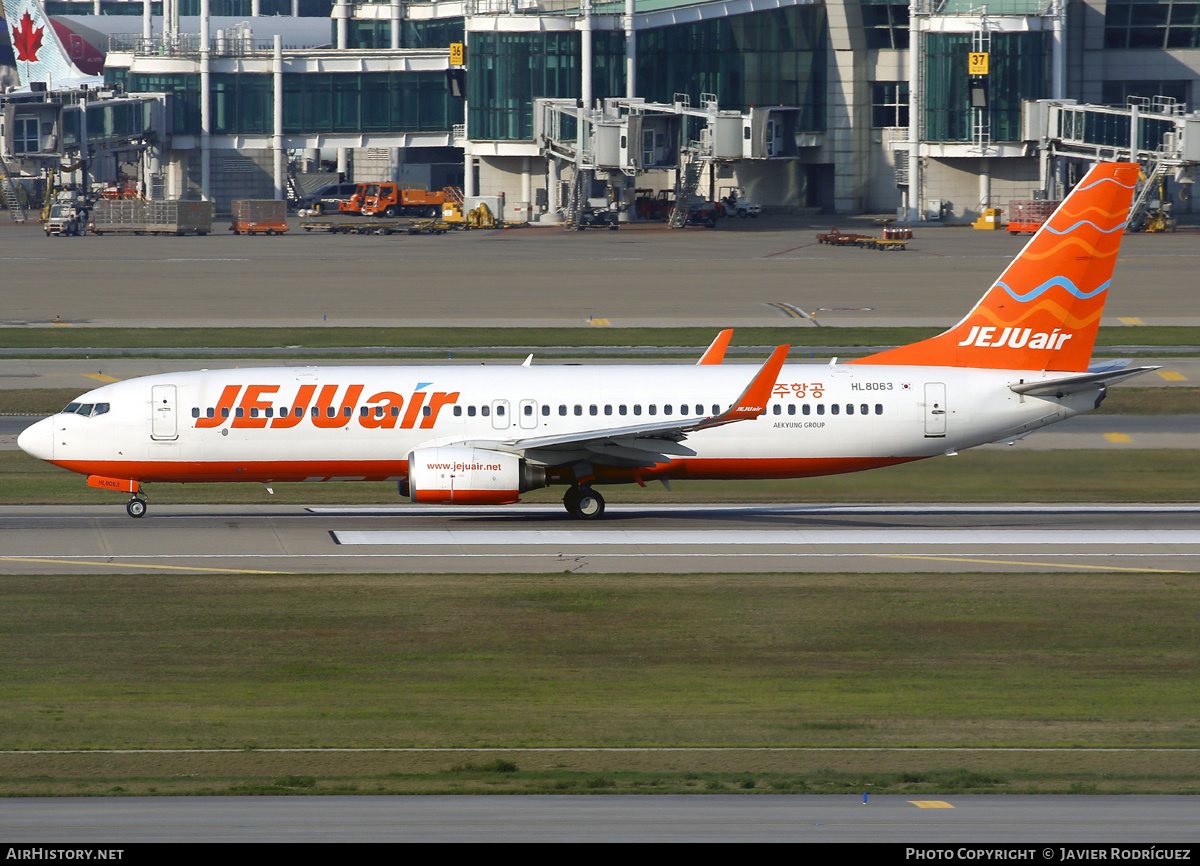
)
(528, 410)
(699, 409)
(348, 411)
(716, 409)
(778, 409)
(299, 412)
(330, 412)
(364, 411)
(270, 412)
(195, 412)
(878, 408)
(807, 410)
(834, 408)
(316, 412)
(608, 408)
(849, 408)
(593, 410)
(653, 408)
(667, 409)
(578, 409)
(395, 411)
(622, 410)
(791, 408)
(426, 411)
(499, 409)
(470, 411)
(820, 408)
(485, 411)
(562, 409)
(379, 411)
(225, 411)
(458, 410)
(254, 412)
(862, 410)
(637, 408)
(210, 412)
(241, 413)
(545, 409)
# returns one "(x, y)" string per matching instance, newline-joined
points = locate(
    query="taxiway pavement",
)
(659, 539)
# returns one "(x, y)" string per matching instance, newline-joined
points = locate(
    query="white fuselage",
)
(362, 422)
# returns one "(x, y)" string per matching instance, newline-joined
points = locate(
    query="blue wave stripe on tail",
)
(1063, 282)
(1055, 231)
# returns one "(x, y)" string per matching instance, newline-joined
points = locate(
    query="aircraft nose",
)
(37, 440)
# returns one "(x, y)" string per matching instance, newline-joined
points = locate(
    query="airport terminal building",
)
(936, 108)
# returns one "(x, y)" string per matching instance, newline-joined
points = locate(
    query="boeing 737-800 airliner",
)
(484, 435)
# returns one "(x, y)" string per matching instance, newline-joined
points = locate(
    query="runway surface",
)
(652, 539)
(1009, 820)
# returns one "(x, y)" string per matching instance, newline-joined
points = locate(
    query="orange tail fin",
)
(1043, 312)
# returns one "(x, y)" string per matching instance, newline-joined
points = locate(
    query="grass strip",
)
(695, 338)
(1125, 400)
(1073, 661)
(973, 476)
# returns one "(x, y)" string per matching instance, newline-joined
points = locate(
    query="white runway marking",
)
(706, 538)
(669, 509)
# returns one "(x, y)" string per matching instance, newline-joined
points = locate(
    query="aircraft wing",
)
(643, 444)
(1071, 384)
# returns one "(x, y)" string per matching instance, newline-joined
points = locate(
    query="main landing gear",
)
(583, 503)
(136, 507)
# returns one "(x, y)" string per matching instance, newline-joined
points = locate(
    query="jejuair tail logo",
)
(27, 40)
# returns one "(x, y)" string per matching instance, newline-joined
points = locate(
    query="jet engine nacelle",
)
(469, 476)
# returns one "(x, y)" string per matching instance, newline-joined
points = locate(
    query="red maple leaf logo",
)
(27, 41)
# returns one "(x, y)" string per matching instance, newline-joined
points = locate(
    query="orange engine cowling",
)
(469, 476)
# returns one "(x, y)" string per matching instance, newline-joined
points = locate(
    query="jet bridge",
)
(1156, 133)
(625, 137)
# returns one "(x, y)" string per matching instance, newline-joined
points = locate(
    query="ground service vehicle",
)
(354, 204)
(389, 200)
(68, 215)
(327, 199)
(1017, 362)
(735, 204)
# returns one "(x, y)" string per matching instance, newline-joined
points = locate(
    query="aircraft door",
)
(528, 414)
(162, 413)
(500, 415)
(935, 410)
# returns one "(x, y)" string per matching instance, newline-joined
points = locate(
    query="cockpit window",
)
(86, 409)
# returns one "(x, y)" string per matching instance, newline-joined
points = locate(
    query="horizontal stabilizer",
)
(1071, 384)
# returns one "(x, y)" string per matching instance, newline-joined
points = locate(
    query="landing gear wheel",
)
(136, 507)
(583, 503)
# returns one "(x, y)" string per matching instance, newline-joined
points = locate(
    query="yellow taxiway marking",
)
(1172, 376)
(1117, 437)
(931, 804)
(61, 324)
(100, 377)
(134, 565)
(1131, 320)
(1042, 564)
(603, 323)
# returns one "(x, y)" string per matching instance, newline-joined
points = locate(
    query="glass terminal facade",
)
(775, 57)
(1019, 70)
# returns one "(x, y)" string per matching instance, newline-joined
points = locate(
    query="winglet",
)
(753, 401)
(715, 353)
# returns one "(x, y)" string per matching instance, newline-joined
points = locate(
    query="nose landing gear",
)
(583, 503)
(136, 507)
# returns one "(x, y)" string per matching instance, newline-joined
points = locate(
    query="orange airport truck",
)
(389, 200)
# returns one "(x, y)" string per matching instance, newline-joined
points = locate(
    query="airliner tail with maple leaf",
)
(39, 52)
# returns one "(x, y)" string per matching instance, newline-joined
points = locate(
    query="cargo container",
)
(152, 217)
(252, 216)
